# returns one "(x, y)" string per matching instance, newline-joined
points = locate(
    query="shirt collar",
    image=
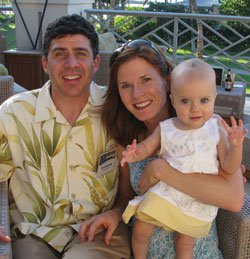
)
(46, 109)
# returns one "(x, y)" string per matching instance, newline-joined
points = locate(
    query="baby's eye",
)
(204, 100)
(184, 101)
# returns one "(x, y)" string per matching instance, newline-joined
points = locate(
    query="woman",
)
(137, 100)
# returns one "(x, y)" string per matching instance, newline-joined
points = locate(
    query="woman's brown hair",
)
(119, 122)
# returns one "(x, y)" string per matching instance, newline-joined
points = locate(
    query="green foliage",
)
(168, 7)
(235, 7)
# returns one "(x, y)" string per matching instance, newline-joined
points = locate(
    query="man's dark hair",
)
(70, 25)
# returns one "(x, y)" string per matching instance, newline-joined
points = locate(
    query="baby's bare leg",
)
(184, 246)
(142, 232)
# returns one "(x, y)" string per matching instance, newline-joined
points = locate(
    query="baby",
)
(194, 141)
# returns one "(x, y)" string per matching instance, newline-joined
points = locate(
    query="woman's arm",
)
(222, 190)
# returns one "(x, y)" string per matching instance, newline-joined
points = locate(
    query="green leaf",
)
(82, 122)
(61, 177)
(28, 107)
(99, 188)
(56, 135)
(25, 137)
(58, 216)
(50, 178)
(51, 234)
(61, 145)
(47, 143)
(90, 141)
(30, 217)
(37, 148)
(95, 196)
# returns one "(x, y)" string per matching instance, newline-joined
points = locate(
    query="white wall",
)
(30, 9)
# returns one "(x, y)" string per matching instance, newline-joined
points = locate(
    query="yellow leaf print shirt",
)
(52, 165)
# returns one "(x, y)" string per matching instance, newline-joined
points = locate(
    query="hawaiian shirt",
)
(52, 166)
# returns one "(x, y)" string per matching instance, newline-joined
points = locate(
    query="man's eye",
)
(184, 101)
(60, 54)
(81, 53)
(204, 100)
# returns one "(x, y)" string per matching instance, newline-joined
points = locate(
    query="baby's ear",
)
(172, 99)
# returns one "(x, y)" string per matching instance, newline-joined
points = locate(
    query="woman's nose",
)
(137, 91)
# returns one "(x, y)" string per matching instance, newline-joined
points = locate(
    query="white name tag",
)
(107, 162)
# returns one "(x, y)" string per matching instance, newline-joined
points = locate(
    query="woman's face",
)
(143, 91)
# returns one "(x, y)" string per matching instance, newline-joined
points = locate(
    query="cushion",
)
(107, 41)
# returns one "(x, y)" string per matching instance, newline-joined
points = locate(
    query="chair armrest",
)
(5, 249)
(234, 232)
(6, 87)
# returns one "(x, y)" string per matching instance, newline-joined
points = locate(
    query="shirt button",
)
(70, 138)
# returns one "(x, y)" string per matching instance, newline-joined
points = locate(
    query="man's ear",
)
(45, 64)
(97, 62)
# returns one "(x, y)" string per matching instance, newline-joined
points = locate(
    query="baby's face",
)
(193, 99)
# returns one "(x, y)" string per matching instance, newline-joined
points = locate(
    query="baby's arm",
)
(231, 145)
(136, 152)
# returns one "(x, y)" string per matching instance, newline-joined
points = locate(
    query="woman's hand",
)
(3, 237)
(152, 174)
(107, 221)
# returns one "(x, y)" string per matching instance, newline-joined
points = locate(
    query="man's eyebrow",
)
(76, 48)
(58, 48)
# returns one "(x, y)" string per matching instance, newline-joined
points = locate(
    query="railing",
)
(226, 38)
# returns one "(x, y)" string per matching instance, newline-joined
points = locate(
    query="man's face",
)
(70, 66)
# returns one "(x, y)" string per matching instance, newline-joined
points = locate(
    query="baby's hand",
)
(236, 133)
(130, 154)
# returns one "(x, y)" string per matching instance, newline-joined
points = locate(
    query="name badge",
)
(107, 162)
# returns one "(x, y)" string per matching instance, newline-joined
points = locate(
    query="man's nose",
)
(71, 61)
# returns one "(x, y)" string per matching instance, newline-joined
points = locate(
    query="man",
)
(60, 160)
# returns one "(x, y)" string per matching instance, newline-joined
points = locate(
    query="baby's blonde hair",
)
(192, 68)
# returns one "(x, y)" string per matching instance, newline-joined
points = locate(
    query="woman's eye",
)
(146, 79)
(124, 86)
(204, 100)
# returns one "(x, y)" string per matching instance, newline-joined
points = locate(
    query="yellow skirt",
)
(157, 211)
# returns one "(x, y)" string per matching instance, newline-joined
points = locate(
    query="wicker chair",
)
(5, 249)
(6, 90)
(6, 87)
